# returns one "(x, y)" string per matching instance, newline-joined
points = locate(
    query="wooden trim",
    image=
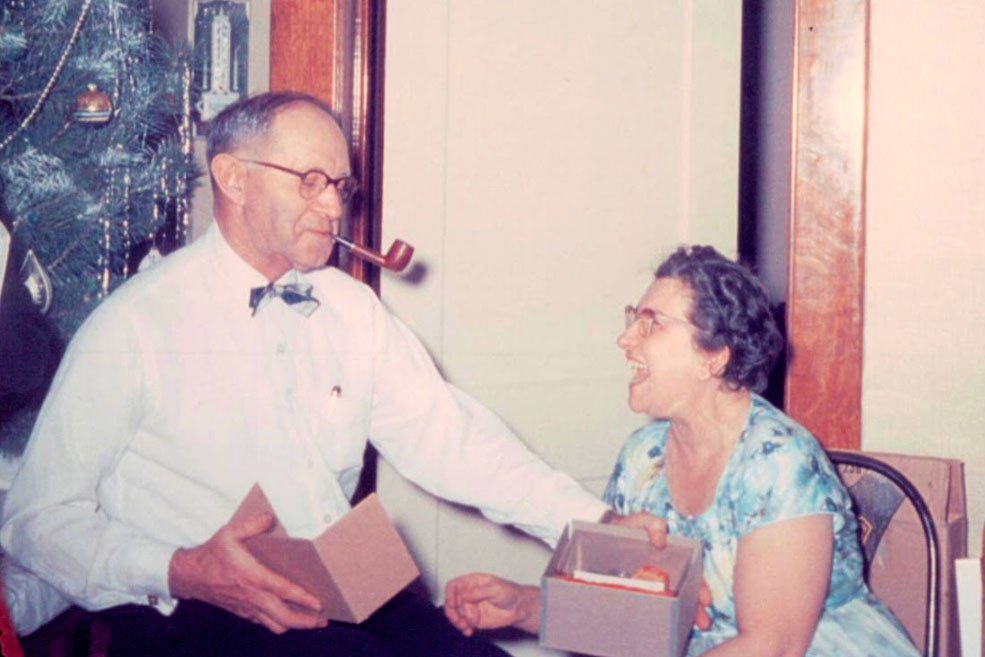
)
(303, 35)
(333, 49)
(824, 305)
(367, 86)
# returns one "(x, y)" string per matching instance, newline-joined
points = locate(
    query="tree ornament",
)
(35, 278)
(92, 106)
(153, 257)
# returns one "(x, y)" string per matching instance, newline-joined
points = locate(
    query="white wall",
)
(924, 332)
(543, 157)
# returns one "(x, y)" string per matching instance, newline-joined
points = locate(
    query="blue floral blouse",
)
(776, 472)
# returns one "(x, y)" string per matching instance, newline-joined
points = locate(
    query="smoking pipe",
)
(396, 259)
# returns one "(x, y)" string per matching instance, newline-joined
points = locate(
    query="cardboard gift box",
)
(609, 619)
(353, 567)
(900, 558)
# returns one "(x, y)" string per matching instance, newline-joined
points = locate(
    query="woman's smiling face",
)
(666, 364)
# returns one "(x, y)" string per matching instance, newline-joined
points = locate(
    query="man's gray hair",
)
(251, 117)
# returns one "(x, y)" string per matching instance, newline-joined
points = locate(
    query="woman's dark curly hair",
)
(730, 309)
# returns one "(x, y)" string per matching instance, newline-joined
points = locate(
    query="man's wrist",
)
(177, 569)
(528, 616)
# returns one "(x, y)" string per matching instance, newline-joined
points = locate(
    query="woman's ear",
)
(718, 361)
(229, 175)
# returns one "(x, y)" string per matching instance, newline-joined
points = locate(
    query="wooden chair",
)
(9, 645)
(909, 492)
(74, 633)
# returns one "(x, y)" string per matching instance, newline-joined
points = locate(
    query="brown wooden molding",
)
(302, 46)
(827, 224)
(367, 129)
(333, 49)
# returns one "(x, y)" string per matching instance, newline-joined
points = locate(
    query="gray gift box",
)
(617, 621)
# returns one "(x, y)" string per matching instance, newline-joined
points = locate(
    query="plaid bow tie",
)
(296, 295)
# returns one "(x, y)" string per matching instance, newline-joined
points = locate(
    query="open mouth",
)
(638, 370)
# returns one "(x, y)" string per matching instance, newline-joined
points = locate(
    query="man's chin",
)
(316, 259)
(306, 268)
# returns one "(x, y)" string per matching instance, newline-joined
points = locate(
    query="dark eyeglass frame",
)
(648, 318)
(315, 181)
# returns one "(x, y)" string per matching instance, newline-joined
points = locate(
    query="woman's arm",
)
(479, 601)
(782, 571)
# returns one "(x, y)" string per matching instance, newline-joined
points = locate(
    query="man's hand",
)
(222, 572)
(655, 526)
(481, 602)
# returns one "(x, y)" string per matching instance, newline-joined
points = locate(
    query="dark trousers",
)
(408, 626)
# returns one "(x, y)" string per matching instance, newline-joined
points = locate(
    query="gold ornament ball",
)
(92, 106)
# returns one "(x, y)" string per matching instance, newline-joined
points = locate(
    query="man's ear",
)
(230, 177)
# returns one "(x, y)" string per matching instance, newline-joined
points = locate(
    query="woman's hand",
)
(655, 526)
(656, 530)
(479, 601)
(702, 620)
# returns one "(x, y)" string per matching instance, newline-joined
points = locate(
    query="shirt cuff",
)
(593, 510)
(580, 505)
(149, 576)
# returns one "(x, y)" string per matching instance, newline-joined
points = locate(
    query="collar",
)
(235, 276)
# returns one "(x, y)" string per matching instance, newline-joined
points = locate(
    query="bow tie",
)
(296, 295)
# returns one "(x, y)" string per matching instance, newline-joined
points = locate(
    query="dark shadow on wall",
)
(750, 110)
(763, 197)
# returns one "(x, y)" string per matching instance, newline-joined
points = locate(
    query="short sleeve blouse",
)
(777, 471)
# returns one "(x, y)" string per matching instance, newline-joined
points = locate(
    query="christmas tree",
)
(95, 157)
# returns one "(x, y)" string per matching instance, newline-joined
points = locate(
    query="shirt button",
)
(281, 348)
(327, 517)
(152, 599)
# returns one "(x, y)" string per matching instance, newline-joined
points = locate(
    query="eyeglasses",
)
(314, 181)
(647, 319)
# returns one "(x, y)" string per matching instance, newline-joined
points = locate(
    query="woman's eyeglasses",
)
(647, 319)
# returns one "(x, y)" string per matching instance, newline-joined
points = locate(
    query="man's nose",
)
(329, 201)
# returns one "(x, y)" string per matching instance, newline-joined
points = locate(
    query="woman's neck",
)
(699, 445)
(711, 424)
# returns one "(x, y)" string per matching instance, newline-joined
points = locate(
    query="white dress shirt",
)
(172, 401)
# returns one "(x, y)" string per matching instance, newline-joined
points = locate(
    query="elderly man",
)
(242, 359)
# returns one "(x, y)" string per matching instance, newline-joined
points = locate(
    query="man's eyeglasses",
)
(314, 181)
(646, 319)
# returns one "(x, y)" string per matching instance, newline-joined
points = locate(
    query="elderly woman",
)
(782, 560)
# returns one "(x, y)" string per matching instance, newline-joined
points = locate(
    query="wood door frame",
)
(334, 50)
(827, 222)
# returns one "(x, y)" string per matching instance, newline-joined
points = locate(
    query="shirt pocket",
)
(341, 429)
